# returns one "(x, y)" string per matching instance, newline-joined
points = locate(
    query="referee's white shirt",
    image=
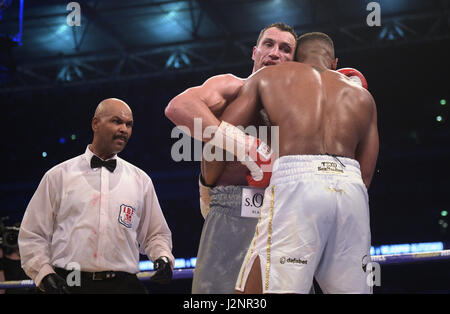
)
(98, 219)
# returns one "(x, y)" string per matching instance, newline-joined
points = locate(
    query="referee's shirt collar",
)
(88, 154)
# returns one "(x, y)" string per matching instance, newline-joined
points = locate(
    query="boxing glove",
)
(262, 156)
(250, 151)
(355, 76)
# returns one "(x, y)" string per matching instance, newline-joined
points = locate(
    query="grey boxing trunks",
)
(225, 238)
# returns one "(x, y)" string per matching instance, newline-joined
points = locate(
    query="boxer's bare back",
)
(318, 111)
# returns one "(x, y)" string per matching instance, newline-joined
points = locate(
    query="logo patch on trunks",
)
(252, 200)
(330, 167)
(293, 260)
(126, 215)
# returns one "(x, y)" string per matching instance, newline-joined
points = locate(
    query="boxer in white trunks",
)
(315, 218)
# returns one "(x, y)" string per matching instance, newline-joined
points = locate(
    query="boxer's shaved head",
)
(316, 45)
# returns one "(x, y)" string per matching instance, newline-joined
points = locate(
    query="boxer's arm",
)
(243, 110)
(212, 171)
(368, 147)
(249, 150)
(205, 102)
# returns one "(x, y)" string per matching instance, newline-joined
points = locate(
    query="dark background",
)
(146, 52)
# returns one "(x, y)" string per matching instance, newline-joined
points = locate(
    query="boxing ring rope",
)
(411, 257)
(187, 273)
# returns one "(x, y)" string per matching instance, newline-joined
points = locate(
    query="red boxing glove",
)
(256, 155)
(355, 76)
(259, 175)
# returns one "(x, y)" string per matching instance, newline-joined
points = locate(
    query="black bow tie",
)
(108, 164)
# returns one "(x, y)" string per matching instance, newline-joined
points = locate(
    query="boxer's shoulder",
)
(218, 91)
(224, 83)
(225, 78)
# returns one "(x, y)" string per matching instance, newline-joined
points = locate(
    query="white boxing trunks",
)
(314, 222)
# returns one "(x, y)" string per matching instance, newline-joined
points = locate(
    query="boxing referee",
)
(96, 213)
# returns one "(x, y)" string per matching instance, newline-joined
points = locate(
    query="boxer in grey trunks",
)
(225, 235)
(218, 266)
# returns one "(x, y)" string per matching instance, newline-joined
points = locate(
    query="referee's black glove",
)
(163, 271)
(55, 284)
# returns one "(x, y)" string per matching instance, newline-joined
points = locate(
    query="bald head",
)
(112, 125)
(111, 105)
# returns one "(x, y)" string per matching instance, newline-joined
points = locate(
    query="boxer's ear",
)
(253, 53)
(334, 64)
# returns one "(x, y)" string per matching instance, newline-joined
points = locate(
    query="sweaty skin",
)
(209, 101)
(318, 111)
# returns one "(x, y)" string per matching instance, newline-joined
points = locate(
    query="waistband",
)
(226, 199)
(309, 167)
